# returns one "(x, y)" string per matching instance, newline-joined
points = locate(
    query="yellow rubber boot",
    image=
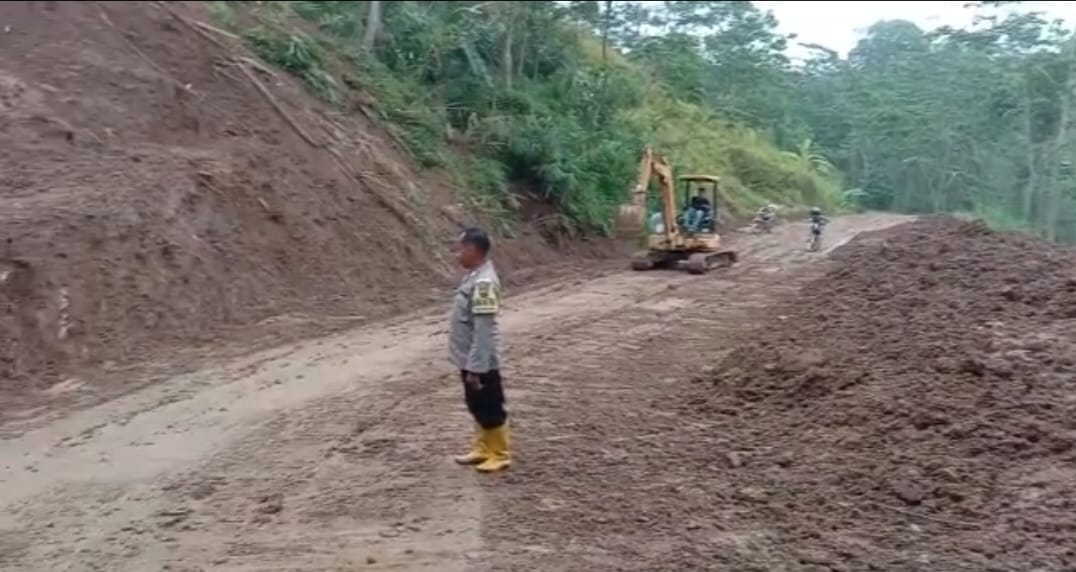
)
(479, 449)
(499, 457)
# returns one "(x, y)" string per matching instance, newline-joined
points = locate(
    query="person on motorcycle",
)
(818, 220)
(767, 213)
(765, 218)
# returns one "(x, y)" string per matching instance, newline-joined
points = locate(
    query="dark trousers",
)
(486, 404)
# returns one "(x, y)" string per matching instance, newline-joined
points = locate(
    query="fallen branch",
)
(256, 64)
(395, 207)
(215, 30)
(279, 108)
(399, 210)
(201, 28)
(245, 64)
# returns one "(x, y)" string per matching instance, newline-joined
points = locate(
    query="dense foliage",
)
(975, 121)
(557, 99)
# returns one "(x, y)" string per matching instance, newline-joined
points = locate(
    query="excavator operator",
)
(697, 210)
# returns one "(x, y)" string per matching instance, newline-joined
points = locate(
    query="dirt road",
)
(334, 454)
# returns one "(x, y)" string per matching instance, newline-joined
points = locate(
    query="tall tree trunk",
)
(506, 62)
(1065, 127)
(524, 46)
(1032, 175)
(504, 16)
(606, 22)
(373, 25)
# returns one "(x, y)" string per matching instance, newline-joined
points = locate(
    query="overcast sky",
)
(839, 25)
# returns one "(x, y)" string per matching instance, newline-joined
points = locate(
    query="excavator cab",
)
(685, 239)
(699, 215)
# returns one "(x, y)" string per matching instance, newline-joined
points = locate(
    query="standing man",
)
(473, 343)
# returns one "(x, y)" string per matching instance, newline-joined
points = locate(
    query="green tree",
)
(975, 120)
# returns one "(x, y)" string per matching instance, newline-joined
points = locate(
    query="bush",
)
(298, 54)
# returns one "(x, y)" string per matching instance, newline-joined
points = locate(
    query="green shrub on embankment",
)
(550, 114)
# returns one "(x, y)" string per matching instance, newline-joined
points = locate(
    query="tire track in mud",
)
(336, 455)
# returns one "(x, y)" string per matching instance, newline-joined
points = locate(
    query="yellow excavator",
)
(673, 241)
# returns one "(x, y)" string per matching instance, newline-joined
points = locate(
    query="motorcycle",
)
(763, 224)
(814, 242)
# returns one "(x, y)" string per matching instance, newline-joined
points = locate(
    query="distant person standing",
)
(473, 344)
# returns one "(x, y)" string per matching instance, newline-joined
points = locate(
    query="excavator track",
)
(703, 262)
(695, 263)
(649, 260)
(641, 261)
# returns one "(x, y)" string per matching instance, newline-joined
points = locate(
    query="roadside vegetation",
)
(557, 99)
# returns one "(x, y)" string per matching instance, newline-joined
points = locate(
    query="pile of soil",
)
(912, 409)
(153, 196)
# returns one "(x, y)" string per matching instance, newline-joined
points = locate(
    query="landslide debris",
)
(914, 407)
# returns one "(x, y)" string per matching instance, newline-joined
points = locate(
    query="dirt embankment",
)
(152, 196)
(915, 404)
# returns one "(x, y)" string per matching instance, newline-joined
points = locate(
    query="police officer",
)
(473, 344)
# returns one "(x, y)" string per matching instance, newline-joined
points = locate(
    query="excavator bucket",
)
(629, 221)
(631, 216)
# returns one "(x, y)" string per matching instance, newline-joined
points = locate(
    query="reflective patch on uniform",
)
(486, 299)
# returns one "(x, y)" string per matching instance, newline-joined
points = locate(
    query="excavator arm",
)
(632, 215)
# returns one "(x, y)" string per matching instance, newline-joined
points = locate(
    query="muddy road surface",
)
(335, 454)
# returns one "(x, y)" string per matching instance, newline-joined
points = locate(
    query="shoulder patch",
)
(486, 298)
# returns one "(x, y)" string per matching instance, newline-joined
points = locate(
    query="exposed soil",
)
(151, 197)
(913, 408)
(334, 454)
(906, 403)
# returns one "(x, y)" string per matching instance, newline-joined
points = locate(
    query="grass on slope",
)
(571, 132)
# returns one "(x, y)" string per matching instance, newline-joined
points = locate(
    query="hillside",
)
(155, 194)
(165, 187)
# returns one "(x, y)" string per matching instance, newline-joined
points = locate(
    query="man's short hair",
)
(476, 237)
